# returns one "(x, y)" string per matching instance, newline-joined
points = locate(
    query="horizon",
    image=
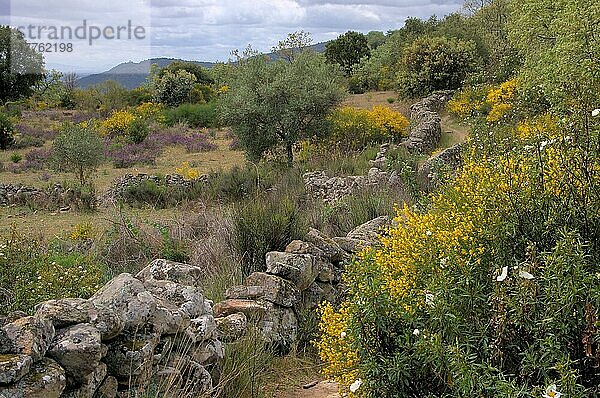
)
(199, 30)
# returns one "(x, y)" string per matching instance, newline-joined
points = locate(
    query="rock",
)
(89, 384)
(352, 245)
(130, 356)
(13, 316)
(189, 299)
(13, 367)
(123, 303)
(201, 329)
(108, 388)
(260, 285)
(370, 231)
(167, 380)
(331, 249)
(45, 380)
(66, 312)
(231, 327)
(169, 318)
(298, 268)
(183, 274)
(326, 271)
(444, 164)
(208, 353)
(30, 336)
(279, 327)
(300, 247)
(199, 380)
(78, 350)
(252, 309)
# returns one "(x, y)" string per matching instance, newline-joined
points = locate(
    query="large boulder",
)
(30, 336)
(66, 312)
(123, 303)
(260, 285)
(13, 367)
(45, 380)
(300, 269)
(78, 350)
(160, 270)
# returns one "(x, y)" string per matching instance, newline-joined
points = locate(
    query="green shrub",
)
(195, 115)
(137, 130)
(6, 131)
(78, 150)
(31, 273)
(263, 225)
(16, 157)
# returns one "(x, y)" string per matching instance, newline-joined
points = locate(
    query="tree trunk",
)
(289, 147)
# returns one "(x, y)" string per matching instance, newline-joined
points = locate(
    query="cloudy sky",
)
(205, 30)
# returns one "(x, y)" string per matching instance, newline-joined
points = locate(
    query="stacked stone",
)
(18, 194)
(444, 164)
(121, 184)
(156, 328)
(426, 131)
(332, 189)
(296, 281)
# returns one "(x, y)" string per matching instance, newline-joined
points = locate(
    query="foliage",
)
(354, 128)
(6, 131)
(560, 46)
(77, 149)
(174, 88)
(20, 65)
(104, 97)
(195, 115)
(187, 172)
(347, 50)
(31, 273)
(16, 157)
(273, 105)
(294, 43)
(492, 289)
(117, 123)
(435, 63)
(265, 225)
(497, 103)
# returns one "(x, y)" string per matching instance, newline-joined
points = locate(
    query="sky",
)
(202, 30)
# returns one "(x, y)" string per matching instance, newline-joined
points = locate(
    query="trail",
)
(325, 389)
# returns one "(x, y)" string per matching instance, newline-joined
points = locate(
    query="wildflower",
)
(416, 332)
(343, 335)
(443, 262)
(525, 275)
(428, 233)
(355, 386)
(429, 299)
(503, 275)
(551, 392)
(595, 112)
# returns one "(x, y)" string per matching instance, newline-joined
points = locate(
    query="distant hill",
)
(131, 74)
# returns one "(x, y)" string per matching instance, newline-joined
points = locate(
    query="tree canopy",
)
(347, 50)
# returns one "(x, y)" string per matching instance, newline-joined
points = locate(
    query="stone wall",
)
(18, 194)
(121, 184)
(156, 328)
(296, 281)
(440, 167)
(426, 131)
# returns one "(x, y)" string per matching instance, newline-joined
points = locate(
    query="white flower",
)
(355, 386)
(429, 299)
(428, 233)
(595, 112)
(503, 275)
(551, 392)
(528, 147)
(525, 275)
(343, 335)
(443, 262)
(416, 332)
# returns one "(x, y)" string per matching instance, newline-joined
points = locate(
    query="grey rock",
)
(130, 356)
(370, 231)
(13, 367)
(45, 380)
(268, 287)
(188, 299)
(66, 312)
(78, 350)
(231, 327)
(183, 274)
(250, 308)
(89, 384)
(298, 268)
(108, 388)
(352, 245)
(331, 249)
(30, 336)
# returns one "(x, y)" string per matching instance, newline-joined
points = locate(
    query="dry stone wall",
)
(426, 131)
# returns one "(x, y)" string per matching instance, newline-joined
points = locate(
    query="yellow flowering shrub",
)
(468, 102)
(488, 280)
(117, 123)
(394, 122)
(187, 172)
(493, 102)
(148, 110)
(500, 100)
(82, 232)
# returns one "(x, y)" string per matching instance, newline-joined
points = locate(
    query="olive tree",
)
(273, 104)
(347, 50)
(78, 150)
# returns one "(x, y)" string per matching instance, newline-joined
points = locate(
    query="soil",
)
(324, 389)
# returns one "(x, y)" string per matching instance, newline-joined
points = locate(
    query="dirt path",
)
(325, 389)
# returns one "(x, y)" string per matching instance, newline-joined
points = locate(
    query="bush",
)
(265, 225)
(137, 131)
(16, 157)
(435, 63)
(31, 273)
(195, 115)
(117, 124)
(78, 150)
(6, 131)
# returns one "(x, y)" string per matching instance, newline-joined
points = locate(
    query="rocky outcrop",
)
(295, 283)
(152, 330)
(426, 131)
(440, 167)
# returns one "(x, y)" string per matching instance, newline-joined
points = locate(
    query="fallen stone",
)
(370, 231)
